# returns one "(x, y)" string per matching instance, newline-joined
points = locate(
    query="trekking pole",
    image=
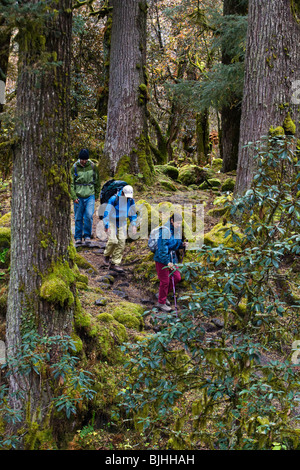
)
(174, 292)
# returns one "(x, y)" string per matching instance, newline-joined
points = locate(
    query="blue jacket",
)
(167, 244)
(118, 209)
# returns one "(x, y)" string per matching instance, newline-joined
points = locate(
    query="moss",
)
(216, 236)
(129, 314)
(193, 174)
(276, 131)
(109, 336)
(228, 185)
(82, 319)
(168, 170)
(5, 220)
(289, 125)
(210, 183)
(168, 185)
(5, 237)
(216, 164)
(55, 290)
(105, 317)
(56, 284)
(123, 166)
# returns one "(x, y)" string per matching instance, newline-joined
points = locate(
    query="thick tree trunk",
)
(126, 143)
(272, 62)
(40, 209)
(231, 114)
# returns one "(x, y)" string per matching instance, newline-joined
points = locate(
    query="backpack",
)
(153, 239)
(109, 189)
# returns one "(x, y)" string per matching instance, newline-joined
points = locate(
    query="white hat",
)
(128, 191)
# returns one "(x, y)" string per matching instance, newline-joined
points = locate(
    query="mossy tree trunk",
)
(126, 143)
(272, 62)
(231, 114)
(40, 208)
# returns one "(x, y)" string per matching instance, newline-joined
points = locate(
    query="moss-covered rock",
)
(211, 183)
(216, 164)
(192, 174)
(228, 185)
(129, 315)
(168, 170)
(217, 237)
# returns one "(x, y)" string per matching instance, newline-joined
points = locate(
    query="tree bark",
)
(231, 114)
(126, 144)
(272, 62)
(40, 209)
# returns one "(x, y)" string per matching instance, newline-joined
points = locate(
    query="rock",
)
(210, 184)
(228, 185)
(168, 170)
(120, 293)
(101, 301)
(217, 322)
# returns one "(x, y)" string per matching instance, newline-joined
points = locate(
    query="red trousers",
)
(166, 283)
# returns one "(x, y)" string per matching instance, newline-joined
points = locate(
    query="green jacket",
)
(87, 181)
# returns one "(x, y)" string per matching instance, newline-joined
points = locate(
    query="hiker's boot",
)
(87, 241)
(164, 307)
(106, 261)
(78, 242)
(116, 268)
(167, 301)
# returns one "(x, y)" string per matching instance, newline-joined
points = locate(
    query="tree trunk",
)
(5, 34)
(126, 144)
(41, 297)
(231, 114)
(272, 62)
(202, 135)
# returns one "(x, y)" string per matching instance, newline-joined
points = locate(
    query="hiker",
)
(85, 189)
(168, 243)
(120, 208)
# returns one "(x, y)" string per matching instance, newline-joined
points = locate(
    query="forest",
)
(190, 111)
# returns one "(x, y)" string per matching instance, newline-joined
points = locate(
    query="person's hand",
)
(170, 265)
(185, 244)
(76, 201)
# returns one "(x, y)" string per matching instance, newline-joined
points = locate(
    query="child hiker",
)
(169, 241)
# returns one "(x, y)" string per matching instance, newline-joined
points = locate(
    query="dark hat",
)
(83, 154)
